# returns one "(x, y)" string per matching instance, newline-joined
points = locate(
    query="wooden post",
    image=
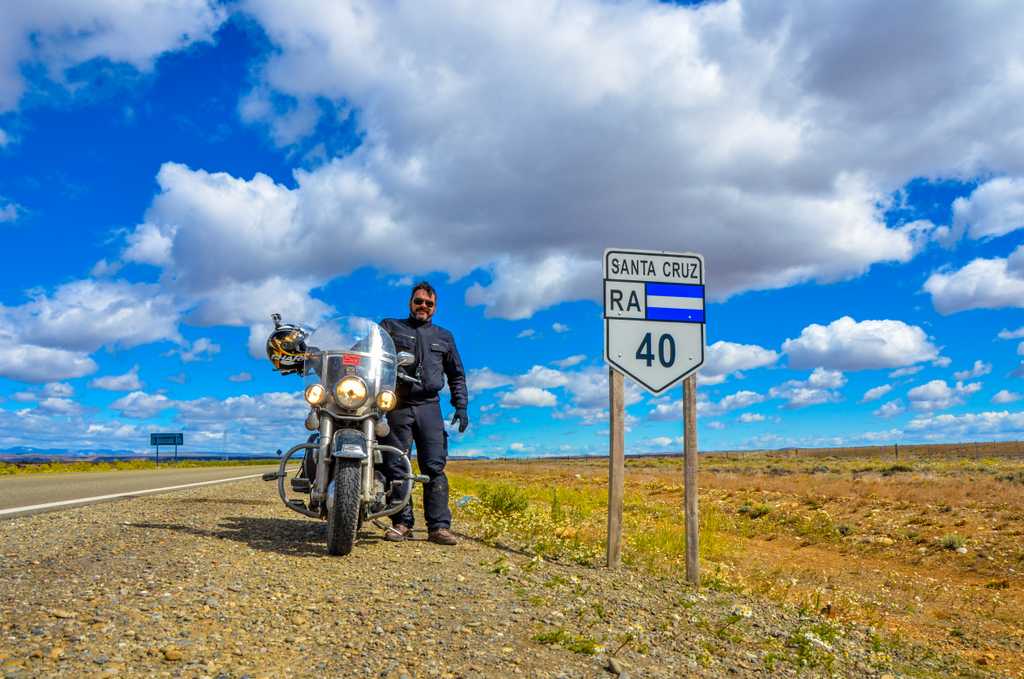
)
(616, 465)
(690, 478)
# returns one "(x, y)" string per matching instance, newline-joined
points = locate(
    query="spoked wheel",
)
(343, 507)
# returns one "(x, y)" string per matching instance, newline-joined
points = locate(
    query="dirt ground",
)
(225, 582)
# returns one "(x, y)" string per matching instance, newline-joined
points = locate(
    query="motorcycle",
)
(351, 371)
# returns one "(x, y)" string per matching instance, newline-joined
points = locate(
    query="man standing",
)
(418, 414)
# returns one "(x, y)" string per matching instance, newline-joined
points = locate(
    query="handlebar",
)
(409, 378)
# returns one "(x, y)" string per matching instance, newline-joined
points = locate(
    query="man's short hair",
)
(426, 287)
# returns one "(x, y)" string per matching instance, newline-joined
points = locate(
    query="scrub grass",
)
(557, 525)
(576, 643)
(570, 522)
(8, 469)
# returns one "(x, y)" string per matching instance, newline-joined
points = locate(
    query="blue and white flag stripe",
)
(674, 302)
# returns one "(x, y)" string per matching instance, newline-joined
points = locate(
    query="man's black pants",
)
(422, 424)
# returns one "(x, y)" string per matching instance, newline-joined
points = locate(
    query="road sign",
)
(654, 315)
(166, 440)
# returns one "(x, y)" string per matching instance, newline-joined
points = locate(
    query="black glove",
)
(462, 417)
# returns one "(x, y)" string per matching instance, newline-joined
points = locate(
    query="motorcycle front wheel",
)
(343, 507)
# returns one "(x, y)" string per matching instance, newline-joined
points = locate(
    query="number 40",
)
(666, 350)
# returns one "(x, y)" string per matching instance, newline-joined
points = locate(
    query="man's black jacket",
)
(436, 356)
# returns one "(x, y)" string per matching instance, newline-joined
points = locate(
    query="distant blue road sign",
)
(166, 439)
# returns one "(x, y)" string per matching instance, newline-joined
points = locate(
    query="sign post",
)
(616, 466)
(654, 332)
(690, 478)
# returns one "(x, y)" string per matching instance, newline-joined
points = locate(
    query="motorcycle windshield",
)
(351, 345)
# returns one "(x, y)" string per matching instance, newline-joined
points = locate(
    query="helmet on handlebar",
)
(286, 347)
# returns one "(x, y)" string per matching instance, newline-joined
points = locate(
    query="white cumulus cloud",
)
(992, 422)
(763, 120)
(845, 344)
(937, 395)
(1006, 396)
(977, 370)
(129, 381)
(84, 315)
(32, 363)
(59, 389)
(61, 35)
(820, 387)
(203, 349)
(257, 410)
(140, 405)
(149, 244)
(1011, 334)
(528, 396)
(482, 379)
(726, 358)
(890, 409)
(667, 410)
(993, 209)
(875, 393)
(741, 399)
(546, 378)
(59, 406)
(9, 212)
(570, 361)
(981, 284)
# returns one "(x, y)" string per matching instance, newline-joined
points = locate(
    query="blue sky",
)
(854, 177)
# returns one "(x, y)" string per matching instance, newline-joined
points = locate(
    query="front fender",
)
(350, 444)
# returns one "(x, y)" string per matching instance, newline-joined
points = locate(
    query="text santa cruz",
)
(623, 266)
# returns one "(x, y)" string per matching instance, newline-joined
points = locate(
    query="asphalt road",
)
(23, 494)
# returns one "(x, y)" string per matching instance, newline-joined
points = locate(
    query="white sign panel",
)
(653, 315)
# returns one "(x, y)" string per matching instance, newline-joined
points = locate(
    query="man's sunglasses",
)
(419, 301)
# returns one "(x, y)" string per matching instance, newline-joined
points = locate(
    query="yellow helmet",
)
(286, 346)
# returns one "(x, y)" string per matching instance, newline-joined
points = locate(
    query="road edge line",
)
(99, 498)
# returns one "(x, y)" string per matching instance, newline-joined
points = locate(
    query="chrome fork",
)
(371, 444)
(319, 490)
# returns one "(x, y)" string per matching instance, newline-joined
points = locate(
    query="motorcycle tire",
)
(343, 512)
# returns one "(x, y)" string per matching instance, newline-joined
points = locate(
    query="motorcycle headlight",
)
(387, 400)
(350, 392)
(315, 394)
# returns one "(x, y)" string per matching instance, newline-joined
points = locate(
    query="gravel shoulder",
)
(223, 581)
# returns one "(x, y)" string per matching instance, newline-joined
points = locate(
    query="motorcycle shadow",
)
(226, 501)
(289, 537)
